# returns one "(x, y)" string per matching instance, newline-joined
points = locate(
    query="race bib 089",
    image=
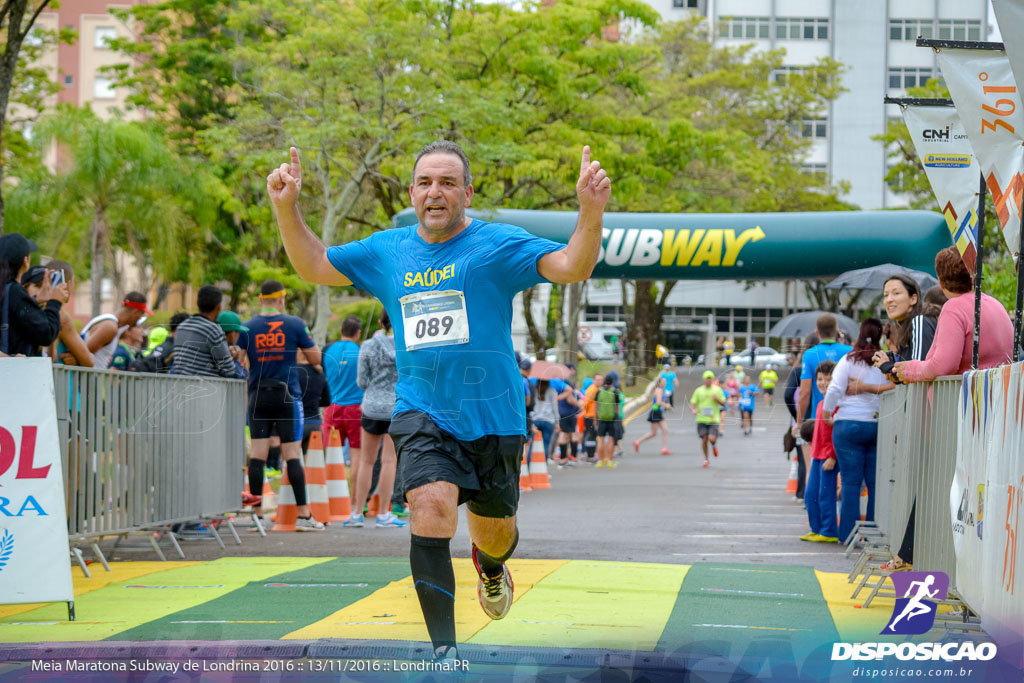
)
(434, 319)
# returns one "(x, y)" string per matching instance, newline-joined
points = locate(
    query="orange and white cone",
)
(339, 503)
(524, 475)
(287, 510)
(316, 479)
(794, 476)
(538, 464)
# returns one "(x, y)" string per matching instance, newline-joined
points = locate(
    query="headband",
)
(137, 305)
(273, 295)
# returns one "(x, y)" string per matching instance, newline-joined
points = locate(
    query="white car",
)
(765, 355)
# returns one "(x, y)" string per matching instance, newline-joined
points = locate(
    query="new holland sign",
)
(742, 245)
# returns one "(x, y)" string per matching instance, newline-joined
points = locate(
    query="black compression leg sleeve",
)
(434, 579)
(492, 565)
(274, 457)
(256, 476)
(564, 448)
(297, 478)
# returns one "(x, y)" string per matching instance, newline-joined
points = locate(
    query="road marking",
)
(747, 505)
(218, 585)
(735, 536)
(227, 621)
(739, 592)
(760, 628)
(315, 585)
(748, 554)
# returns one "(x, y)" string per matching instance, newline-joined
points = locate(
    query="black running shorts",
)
(373, 426)
(271, 404)
(606, 428)
(567, 423)
(486, 470)
(707, 430)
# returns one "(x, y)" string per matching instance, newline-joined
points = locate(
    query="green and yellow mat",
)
(564, 603)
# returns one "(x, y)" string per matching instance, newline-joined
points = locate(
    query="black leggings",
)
(906, 552)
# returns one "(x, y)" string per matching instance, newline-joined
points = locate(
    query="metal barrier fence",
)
(917, 441)
(141, 450)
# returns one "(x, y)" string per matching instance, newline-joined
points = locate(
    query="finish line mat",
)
(724, 609)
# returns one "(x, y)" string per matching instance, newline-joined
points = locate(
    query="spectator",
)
(590, 416)
(69, 348)
(129, 344)
(315, 395)
(160, 357)
(855, 428)
(377, 376)
(826, 349)
(608, 400)
(231, 324)
(620, 429)
(820, 494)
(25, 327)
(790, 395)
(341, 365)
(569, 408)
(200, 346)
(656, 417)
(271, 342)
(952, 349)
(103, 333)
(728, 348)
(545, 412)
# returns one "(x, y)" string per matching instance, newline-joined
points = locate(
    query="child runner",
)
(657, 419)
(732, 393)
(820, 493)
(747, 392)
(768, 379)
(706, 403)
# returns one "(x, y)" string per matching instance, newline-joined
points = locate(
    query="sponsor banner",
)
(986, 97)
(34, 565)
(991, 425)
(945, 151)
(735, 246)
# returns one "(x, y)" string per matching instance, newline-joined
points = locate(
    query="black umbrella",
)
(875, 277)
(800, 324)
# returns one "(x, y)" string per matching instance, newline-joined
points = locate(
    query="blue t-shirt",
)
(271, 344)
(812, 358)
(747, 392)
(469, 386)
(341, 365)
(670, 380)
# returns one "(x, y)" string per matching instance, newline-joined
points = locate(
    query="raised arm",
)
(576, 262)
(305, 250)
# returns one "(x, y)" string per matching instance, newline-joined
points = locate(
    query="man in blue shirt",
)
(271, 340)
(447, 284)
(341, 365)
(827, 349)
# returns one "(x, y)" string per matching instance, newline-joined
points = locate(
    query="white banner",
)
(34, 563)
(982, 86)
(992, 582)
(953, 172)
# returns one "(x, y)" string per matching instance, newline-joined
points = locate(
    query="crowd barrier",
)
(142, 450)
(954, 446)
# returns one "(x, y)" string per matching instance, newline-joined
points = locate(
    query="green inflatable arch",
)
(740, 246)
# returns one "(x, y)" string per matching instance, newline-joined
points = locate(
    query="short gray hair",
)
(445, 147)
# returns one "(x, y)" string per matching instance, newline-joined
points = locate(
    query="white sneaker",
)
(308, 524)
(390, 521)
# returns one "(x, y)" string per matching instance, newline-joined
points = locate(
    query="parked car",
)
(598, 349)
(765, 355)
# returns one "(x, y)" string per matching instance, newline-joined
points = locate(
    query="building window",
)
(747, 27)
(816, 129)
(959, 29)
(818, 170)
(801, 28)
(902, 77)
(782, 73)
(69, 81)
(104, 34)
(103, 89)
(910, 29)
(897, 182)
(686, 4)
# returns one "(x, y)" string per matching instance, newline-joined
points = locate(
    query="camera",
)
(886, 367)
(56, 278)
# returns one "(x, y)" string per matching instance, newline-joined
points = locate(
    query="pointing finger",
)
(296, 165)
(585, 161)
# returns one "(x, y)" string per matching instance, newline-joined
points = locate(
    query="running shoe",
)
(495, 593)
(714, 449)
(825, 539)
(705, 463)
(810, 536)
(354, 522)
(600, 464)
(250, 499)
(272, 472)
(636, 446)
(400, 510)
(308, 524)
(446, 654)
(618, 453)
(611, 464)
(665, 451)
(389, 521)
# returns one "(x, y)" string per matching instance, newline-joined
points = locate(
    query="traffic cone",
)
(538, 464)
(794, 476)
(524, 475)
(864, 503)
(287, 510)
(316, 479)
(339, 503)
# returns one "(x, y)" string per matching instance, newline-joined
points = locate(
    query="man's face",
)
(708, 381)
(439, 193)
(232, 337)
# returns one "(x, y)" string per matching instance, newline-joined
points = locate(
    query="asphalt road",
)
(652, 508)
